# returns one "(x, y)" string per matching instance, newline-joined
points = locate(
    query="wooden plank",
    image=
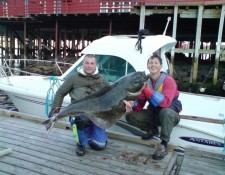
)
(195, 151)
(15, 114)
(152, 142)
(43, 146)
(39, 130)
(40, 165)
(205, 163)
(199, 161)
(171, 164)
(115, 155)
(57, 152)
(186, 173)
(10, 128)
(23, 154)
(69, 162)
(196, 169)
(202, 119)
(22, 130)
(7, 169)
(57, 134)
(64, 125)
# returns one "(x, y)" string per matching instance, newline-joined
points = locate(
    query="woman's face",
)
(154, 65)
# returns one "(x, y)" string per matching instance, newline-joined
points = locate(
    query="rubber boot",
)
(80, 150)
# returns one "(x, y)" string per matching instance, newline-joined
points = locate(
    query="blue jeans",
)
(93, 135)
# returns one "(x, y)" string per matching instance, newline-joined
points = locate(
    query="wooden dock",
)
(33, 152)
(197, 161)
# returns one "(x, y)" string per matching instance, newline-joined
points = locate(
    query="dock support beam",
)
(217, 58)
(110, 26)
(6, 43)
(174, 36)
(25, 42)
(39, 44)
(65, 44)
(11, 48)
(197, 44)
(142, 18)
(56, 39)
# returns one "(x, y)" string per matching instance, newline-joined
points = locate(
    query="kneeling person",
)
(80, 84)
(162, 94)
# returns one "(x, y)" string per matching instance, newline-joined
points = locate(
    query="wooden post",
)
(1, 50)
(25, 41)
(220, 33)
(64, 47)
(110, 26)
(17, 48)
(73, 43)
(171, 69)
(11, 48)
(197, 44)
(56, 39)
(39, 45)
(82, 40)
(77, 44)
(60, 45)
(142, 18)
(6, 44)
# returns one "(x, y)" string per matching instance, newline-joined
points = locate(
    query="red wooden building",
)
(25, 8)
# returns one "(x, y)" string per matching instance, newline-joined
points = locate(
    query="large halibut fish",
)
(105, 107)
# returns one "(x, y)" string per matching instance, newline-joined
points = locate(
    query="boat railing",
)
(11, 67)
(3, 74)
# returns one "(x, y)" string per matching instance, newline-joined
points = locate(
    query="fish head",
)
(135, 81)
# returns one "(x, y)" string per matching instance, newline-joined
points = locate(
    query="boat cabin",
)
(120, 55)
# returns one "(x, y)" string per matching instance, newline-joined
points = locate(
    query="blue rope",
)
(50, 93)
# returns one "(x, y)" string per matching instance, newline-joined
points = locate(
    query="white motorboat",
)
(202, 119)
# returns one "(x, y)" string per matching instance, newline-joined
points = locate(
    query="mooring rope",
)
(54, 82)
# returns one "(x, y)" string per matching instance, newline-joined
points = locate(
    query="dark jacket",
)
(78, 86)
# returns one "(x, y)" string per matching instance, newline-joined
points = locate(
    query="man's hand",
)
(53, 112)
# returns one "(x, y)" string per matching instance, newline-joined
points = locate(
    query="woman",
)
(162, 94)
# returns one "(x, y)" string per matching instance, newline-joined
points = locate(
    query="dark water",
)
(6, 103)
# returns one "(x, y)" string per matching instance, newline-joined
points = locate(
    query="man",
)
(82, 83)
(162, 94)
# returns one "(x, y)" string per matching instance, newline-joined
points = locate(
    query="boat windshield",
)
(111, 67)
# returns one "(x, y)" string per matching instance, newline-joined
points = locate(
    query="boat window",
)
(111, 67)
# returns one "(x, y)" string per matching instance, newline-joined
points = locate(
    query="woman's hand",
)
(128, 105)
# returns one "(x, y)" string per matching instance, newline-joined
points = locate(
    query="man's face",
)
(154, 66)
(89, 65)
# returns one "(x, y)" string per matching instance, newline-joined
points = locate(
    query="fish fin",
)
(102, 123)
(49, 123)
(46, 121)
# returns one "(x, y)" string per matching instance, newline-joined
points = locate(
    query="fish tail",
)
(49, 123)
